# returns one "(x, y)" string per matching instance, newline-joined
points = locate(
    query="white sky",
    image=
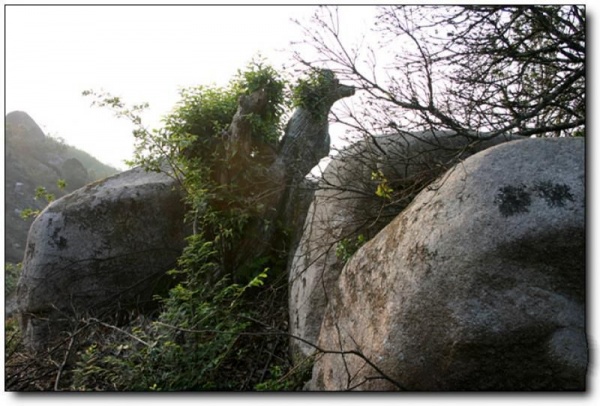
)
(141, 53)
(145, 53)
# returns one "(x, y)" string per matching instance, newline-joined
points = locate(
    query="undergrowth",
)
(218, 328)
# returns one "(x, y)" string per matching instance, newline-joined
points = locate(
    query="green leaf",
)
(28, 213)
(61, 183)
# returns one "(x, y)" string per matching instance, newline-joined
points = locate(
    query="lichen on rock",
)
(103, 248)
(463, 296)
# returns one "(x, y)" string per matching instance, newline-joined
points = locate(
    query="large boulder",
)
(347, 209)
(103, 248)
(478, 285)
(34, 160)
(281, 193)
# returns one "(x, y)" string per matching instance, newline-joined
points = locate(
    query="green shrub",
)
(196, 343)
(257, 75)
(214, 330)
(348, 246)
(311, 93)
(292, 380)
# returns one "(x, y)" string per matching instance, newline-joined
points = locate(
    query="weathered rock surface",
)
(346, 205)
(478, 285)
(33, 160)
(106, 246)
(101, 248)
(305, 143)
(306, 140)
(283, 191)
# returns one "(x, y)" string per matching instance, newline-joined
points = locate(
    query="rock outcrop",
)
(104, 247)
(33, 160)
(346, 206)
(108, 245)
(306, 140)
(282, 189)
(478, 285)
(21, 125)
(74, 173)
(305, 143)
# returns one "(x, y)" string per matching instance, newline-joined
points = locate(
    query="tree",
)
(483, 69)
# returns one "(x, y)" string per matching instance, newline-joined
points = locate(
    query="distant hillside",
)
(31, 160)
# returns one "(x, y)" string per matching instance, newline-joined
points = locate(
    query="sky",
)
(146, 54)
(140, 53)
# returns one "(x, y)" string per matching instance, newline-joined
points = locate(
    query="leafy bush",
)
(347, 247)
(292, 380)
(311, 93)
(215, 329)
(223, 326)
(260, 76)
(199, 118)
(201, 340)
(41, 193)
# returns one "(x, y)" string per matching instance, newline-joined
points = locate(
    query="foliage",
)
(258, 75)
(61, 184)
(383, 188)
(41, 193)
(12, 335)
(216, 327)
(28, 213)
(292, 380)
(490, 68)
(192, 134)
(311, 92)
(167, 355)
(196, 343)
(348, 247)
(11, 277)
(199, 118)
(151, 147)
(204, 112)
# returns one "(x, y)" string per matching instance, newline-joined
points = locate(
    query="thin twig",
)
(139, 340)
(64, 362)
(309, 343)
